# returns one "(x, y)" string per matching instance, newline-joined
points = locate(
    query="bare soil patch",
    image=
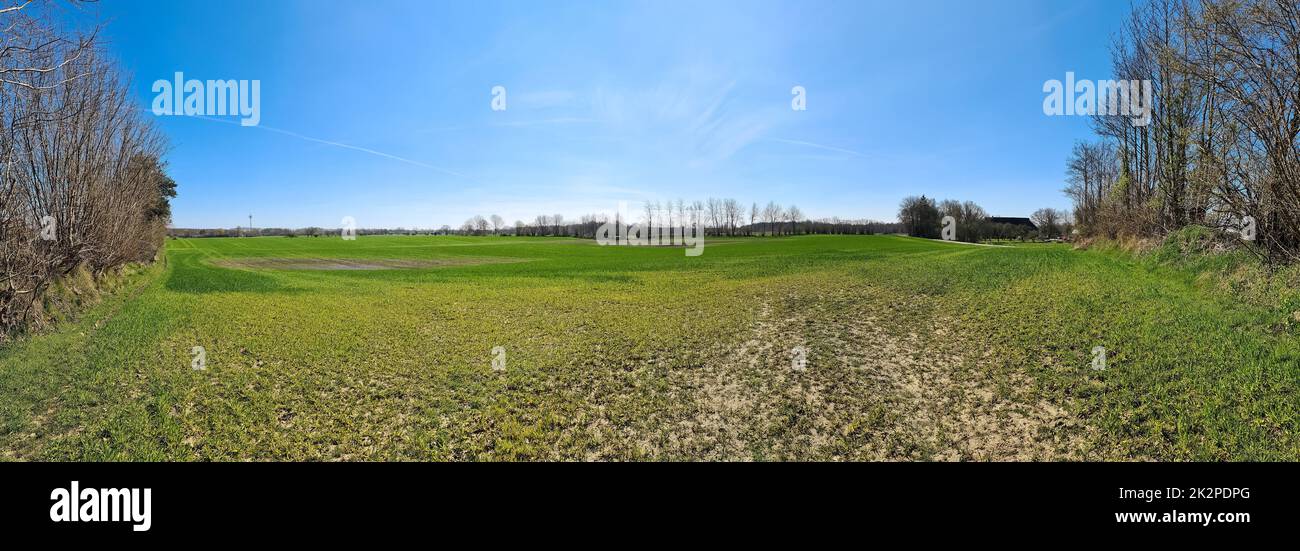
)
(870, 390)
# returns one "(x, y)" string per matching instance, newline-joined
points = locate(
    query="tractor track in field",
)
(872, 389)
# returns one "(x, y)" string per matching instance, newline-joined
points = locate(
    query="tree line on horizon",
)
(924, 217)
(1222, 147)
(82, 183)
(719, 217)
(918, 217)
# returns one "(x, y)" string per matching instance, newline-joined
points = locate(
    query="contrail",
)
(336, 144)
(361, 149)
(820, 146)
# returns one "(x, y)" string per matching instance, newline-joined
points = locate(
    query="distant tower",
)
(250, 223)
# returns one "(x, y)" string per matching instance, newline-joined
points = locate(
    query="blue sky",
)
(382, 110)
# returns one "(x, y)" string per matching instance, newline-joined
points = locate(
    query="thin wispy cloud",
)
(545, 122)
(685, 118)
(1044, 27)
(542, 99)
(553, 121)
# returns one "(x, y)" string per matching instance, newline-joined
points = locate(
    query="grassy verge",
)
(45, 376)
(1202, 355)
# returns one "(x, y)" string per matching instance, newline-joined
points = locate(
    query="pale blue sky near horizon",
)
(382, 110)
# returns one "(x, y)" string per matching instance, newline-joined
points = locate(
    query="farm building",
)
(1027, 223)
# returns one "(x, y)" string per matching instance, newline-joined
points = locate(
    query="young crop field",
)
(799, 348)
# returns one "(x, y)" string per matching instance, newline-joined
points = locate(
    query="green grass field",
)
(381, 349)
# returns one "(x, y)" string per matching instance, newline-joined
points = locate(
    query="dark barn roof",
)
(1014, 221)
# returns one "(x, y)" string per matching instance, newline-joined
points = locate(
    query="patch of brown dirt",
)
(879, 384)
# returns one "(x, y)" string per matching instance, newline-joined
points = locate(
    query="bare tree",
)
(794, 215)
(731, 210)
(715, 213)
(1223, 141)
(82, 184)
(771, 213)
(1047, 220)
